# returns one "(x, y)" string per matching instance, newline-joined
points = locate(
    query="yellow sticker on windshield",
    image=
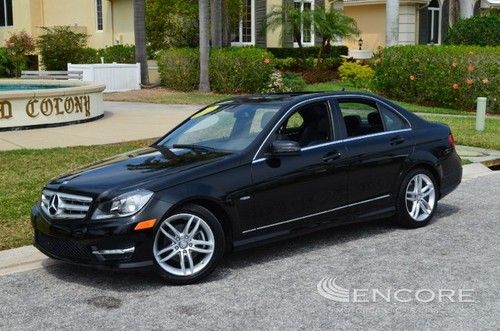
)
(205, 111)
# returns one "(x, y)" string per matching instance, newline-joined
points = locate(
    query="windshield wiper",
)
(194, 147)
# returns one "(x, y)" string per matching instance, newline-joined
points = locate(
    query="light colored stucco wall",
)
(118, 19)
(371, 23)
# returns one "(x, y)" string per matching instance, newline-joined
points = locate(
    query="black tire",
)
(219, 247)
(403, 216)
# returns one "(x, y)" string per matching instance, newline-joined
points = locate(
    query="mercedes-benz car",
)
(247, 171)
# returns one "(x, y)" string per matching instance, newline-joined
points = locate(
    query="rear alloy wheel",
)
(187, 245)
(417, 199)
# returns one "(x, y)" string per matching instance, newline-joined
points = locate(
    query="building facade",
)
(107, 22)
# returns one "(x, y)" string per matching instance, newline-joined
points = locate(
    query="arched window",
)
(434, 9)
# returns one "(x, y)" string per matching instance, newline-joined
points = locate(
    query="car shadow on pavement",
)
(140, 280)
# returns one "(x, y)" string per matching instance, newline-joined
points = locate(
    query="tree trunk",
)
(216, 22)
(204, 13)
(392, 23)
(140, 39)
(454, 11)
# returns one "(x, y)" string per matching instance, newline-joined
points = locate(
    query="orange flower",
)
(469, 81)
(378, 61)
(177, 62)
(455, 86)
(412, 77)
(454, 64)
(470, 68)
(267, 61)
(485, 81)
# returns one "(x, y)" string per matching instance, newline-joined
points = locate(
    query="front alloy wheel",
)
(187, 245)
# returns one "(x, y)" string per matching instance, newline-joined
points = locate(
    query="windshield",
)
(223, 127)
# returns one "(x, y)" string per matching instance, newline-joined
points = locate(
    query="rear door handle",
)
(397, 140)
(331, 156)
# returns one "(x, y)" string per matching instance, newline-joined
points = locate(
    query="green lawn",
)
(24, 172)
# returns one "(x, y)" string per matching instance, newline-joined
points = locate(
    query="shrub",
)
(448, 76)
(179, 68)
(59, 46)
(357, 75)
(88, 55)
(118, 54)
(240, 70)
(19, 46)
(284, 82)
(6, 65)
(284, 52)
(477, 30)
(297, 64)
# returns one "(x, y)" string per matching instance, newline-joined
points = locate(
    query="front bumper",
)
(109, 243)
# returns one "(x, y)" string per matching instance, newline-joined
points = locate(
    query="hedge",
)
(232, 70)
(332, 51)
(477, 30)
(447, 76)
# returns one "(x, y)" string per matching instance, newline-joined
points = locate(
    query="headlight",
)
(124, 205)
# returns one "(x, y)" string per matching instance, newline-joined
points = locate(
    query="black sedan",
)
(247, 171)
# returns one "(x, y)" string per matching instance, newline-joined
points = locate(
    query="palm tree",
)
(331, 25)
(290, 19)
(392, 22)
(204, 13)
(216, 22)
(140, 39)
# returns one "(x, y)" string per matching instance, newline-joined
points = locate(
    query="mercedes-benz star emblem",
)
(54, 205)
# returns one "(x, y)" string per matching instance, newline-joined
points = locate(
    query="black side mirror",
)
(284, 148)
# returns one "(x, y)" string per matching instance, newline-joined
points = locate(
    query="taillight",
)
(451, 140)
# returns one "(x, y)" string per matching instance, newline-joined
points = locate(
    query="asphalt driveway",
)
(275, 287)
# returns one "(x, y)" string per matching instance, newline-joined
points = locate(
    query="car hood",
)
(132, 170)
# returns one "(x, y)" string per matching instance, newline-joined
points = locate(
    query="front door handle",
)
(331, 156)
(397, 140)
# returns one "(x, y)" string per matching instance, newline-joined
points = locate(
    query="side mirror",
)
(284, 148)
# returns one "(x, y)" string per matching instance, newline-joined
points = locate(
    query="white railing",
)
(117, 77)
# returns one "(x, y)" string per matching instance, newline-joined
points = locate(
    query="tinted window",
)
(361, 118)
(309, 125)
(392, 121)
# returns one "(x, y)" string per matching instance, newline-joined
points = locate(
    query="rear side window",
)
(392, 121)
(361, 118)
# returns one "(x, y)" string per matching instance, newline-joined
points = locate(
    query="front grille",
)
(65, 205)
(64, 248)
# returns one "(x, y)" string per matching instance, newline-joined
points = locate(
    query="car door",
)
(378, 142)
(289, 191)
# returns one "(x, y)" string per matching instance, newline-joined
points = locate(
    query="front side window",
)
(243, 32)
(309, 125)
(224, 127)
(6, 13)
(306, 26)
(99, 16)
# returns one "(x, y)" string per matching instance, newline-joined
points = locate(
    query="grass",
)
(23, 173)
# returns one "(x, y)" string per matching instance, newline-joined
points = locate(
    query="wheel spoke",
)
(165, 250)
(419, 184)
(174, 230)
(202, 242)
(415, 210)
(183, 263)
(169, 256)
(196, 226)
(190, 261)
(201, 250)
(411, 196)
(425, 206)
(172, 239)
(188, 225)
(428, 192)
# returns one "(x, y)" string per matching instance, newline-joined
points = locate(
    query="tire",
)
(199, 241)
(415, 207)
